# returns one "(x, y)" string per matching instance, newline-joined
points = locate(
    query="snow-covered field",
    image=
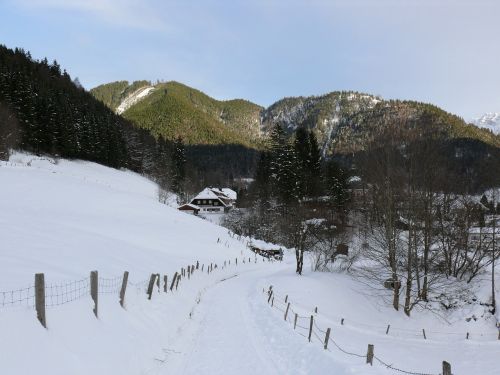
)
(69, 218)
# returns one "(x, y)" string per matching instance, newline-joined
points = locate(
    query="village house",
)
(484, 235)
(211, 201)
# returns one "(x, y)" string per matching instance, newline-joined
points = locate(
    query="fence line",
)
(468, 335)
(41, 295)
(315, 332)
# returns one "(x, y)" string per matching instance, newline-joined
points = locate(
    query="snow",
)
(230, 193)
(489, 121)
(207, 193)
(134, 98)
(67, 218)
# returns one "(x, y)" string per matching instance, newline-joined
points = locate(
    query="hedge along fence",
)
(42, 296)
(308, 327)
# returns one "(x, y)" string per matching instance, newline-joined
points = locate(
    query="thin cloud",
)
(135, 14)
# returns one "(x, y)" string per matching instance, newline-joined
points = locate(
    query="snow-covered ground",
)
(69, 218)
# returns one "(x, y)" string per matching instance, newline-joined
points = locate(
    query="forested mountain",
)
(43, 111)
(346, 122)
(172, 109)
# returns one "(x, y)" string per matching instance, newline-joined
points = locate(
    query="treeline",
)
(44, 111)
(294, 189)
(55, 116)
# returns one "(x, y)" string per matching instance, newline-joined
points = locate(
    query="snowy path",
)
(234, 332)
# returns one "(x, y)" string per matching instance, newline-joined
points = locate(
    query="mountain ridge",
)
(343, 121)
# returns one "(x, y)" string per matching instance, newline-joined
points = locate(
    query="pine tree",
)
(178, 174)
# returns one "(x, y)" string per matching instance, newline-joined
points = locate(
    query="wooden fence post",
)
(327, 337)
(342, 321)
(270, 295)
(173, 281)
(158, 282)
(369, 354)
(286, 298)
(286, 312)
(124, 288)
(272, 302)
(311, 328)
(40, 298)
(189, 273)
(202, 266)
(151, 285)
(197, 264)
(165, 283)
(387, 330)
(94, 290)
(423, 331)
(446, 368)
(236, 261)
(316, 309)
(177, 283)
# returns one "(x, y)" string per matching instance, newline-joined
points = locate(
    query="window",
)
(216, 203)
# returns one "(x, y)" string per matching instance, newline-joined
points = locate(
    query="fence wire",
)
(317, 331)
(19, 297)
(61, 294)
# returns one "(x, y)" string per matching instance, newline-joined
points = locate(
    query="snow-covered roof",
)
(207, 193)
(190, 205)
(263, 245)
(230, 193)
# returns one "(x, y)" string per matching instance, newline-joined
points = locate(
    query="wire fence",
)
(19, 297)
(312, 331)
(57, 294)
(390, 330)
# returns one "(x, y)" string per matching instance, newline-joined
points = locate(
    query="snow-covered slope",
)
(489, 121)
(133, 98)
(68, 218)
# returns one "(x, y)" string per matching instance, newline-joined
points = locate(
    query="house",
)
(189, 208)
(484, 235)
(214, 200)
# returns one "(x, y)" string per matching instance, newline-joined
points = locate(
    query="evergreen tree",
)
(178, 167)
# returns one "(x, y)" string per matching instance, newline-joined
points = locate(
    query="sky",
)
(445, 52)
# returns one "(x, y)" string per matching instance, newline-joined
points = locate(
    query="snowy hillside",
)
(133, 98)
(489, 121)
(68, 218)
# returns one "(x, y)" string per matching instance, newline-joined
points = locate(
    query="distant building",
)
(212, 200)
(189, 208)
(484, 235)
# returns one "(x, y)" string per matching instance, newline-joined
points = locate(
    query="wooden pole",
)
(165, 283)
(387, 330)
(158, 282)
(327, 337)
(295, 321)
(151, 285)
(173, 281)
(286, 298)
(286, 312)
(270, 295)
(177, 283)
(311, 328)
(197, 264)
(94, 288)
(342, 321)
(40, 298)
(272, 302)
(369, 354)
(423, 331)
(316, 309)
(446, 368)
(123, 289)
